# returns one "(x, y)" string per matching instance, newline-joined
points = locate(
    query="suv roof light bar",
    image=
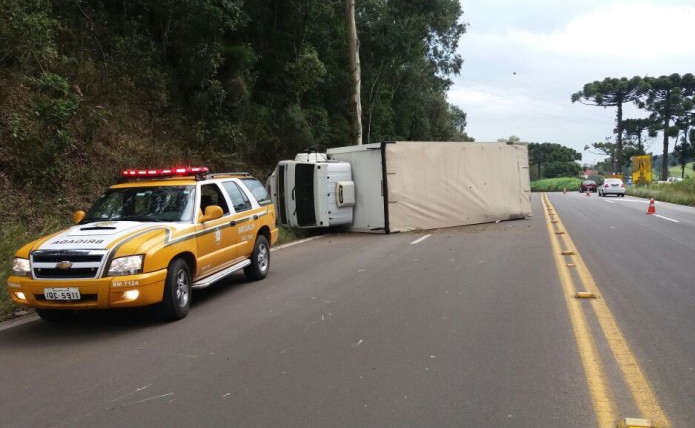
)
(165, 172)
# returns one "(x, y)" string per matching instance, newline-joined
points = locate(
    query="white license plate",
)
(68, 293)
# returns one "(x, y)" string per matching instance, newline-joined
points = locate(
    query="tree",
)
(682, 152)
(354, 52)
(554, 160)
(606, 148)
(635, 129)
(667, 99)
(408, 48)
(612, 92)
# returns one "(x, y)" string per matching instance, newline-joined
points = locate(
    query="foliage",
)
(612, 92)
(91, 87)
(556, 184)
(553, 160)
(670, 100)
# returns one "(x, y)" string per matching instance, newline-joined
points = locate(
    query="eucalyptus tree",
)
(354, 54)
(612, 92)
(407, 50)
(668, 99)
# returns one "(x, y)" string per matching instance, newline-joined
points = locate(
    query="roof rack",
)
(228, 174)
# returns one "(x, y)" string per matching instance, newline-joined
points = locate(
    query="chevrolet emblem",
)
(63, 265)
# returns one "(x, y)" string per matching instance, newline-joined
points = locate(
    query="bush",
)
(556, 184)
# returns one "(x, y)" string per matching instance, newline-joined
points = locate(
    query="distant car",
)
(612, 186)
(673, 179)
(587, 186)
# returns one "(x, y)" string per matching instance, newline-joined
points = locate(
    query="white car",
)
(612, 186)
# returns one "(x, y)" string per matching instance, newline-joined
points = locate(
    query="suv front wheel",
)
(260, 260)
(177, 291)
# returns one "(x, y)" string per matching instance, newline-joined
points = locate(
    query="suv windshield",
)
(164, 203)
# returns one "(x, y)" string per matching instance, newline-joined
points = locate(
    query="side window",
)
(257, 190)
(239, 199)
(210, 194)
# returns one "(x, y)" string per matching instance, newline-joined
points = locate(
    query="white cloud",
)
(639, 32)
(524, 59)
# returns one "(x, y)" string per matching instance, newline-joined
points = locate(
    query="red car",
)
(587, 186)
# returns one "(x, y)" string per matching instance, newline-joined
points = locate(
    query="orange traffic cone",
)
(651, 209)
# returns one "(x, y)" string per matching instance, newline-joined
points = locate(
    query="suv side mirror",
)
(78, 216)
(212, 212)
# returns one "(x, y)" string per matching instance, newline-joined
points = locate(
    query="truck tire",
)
(177, 291)
(55, 315)
(260, 260)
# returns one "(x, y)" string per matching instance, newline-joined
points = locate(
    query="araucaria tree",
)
(612, 92)
(668, 99)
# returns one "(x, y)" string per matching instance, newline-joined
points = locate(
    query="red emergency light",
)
(167, 172)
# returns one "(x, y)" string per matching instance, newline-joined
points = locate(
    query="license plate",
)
(68, 293)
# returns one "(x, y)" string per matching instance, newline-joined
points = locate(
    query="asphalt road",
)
(465, 327)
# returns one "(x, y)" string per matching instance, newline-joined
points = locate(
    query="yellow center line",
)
(645, 398)
(601, 395)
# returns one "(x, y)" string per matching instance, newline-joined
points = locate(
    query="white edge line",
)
(22, 319)
(417, 241)
(666, 218)
(289, 244)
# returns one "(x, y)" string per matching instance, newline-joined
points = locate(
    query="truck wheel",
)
(55, 315)
(177, 291)
(260, 260)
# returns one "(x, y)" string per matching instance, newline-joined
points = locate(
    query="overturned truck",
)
(403, 185)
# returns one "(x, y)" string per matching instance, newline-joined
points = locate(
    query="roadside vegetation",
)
(682, 192)
(90, 88)
(556, 184)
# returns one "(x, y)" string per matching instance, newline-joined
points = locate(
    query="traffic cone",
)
(651, 209)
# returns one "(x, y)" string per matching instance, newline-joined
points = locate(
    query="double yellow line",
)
(571, 268)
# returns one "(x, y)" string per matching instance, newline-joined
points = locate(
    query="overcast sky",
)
(523, 59)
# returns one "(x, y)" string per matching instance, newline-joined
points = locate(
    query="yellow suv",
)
(149, 241)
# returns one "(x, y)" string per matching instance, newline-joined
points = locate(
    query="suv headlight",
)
(21, 267)
(129, 265)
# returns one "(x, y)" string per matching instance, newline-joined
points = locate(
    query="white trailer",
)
(404, 185)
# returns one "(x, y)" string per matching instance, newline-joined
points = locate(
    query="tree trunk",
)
(354, 48)
(619, 140)
(664, 158)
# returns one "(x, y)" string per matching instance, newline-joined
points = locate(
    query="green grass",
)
(556, 184)
(13, 235)
(675, 171)
(682, 193)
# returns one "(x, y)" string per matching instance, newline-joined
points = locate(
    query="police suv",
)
(149, 241)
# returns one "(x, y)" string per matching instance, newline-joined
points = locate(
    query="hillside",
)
(88, 88)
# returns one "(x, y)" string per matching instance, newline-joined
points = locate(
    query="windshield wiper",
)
(134, 218)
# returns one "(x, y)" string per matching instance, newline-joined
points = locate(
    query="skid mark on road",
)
(607, 411)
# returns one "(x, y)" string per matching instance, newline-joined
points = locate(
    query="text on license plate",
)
(68, 293)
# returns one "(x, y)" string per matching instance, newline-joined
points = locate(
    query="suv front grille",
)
(63, 264)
